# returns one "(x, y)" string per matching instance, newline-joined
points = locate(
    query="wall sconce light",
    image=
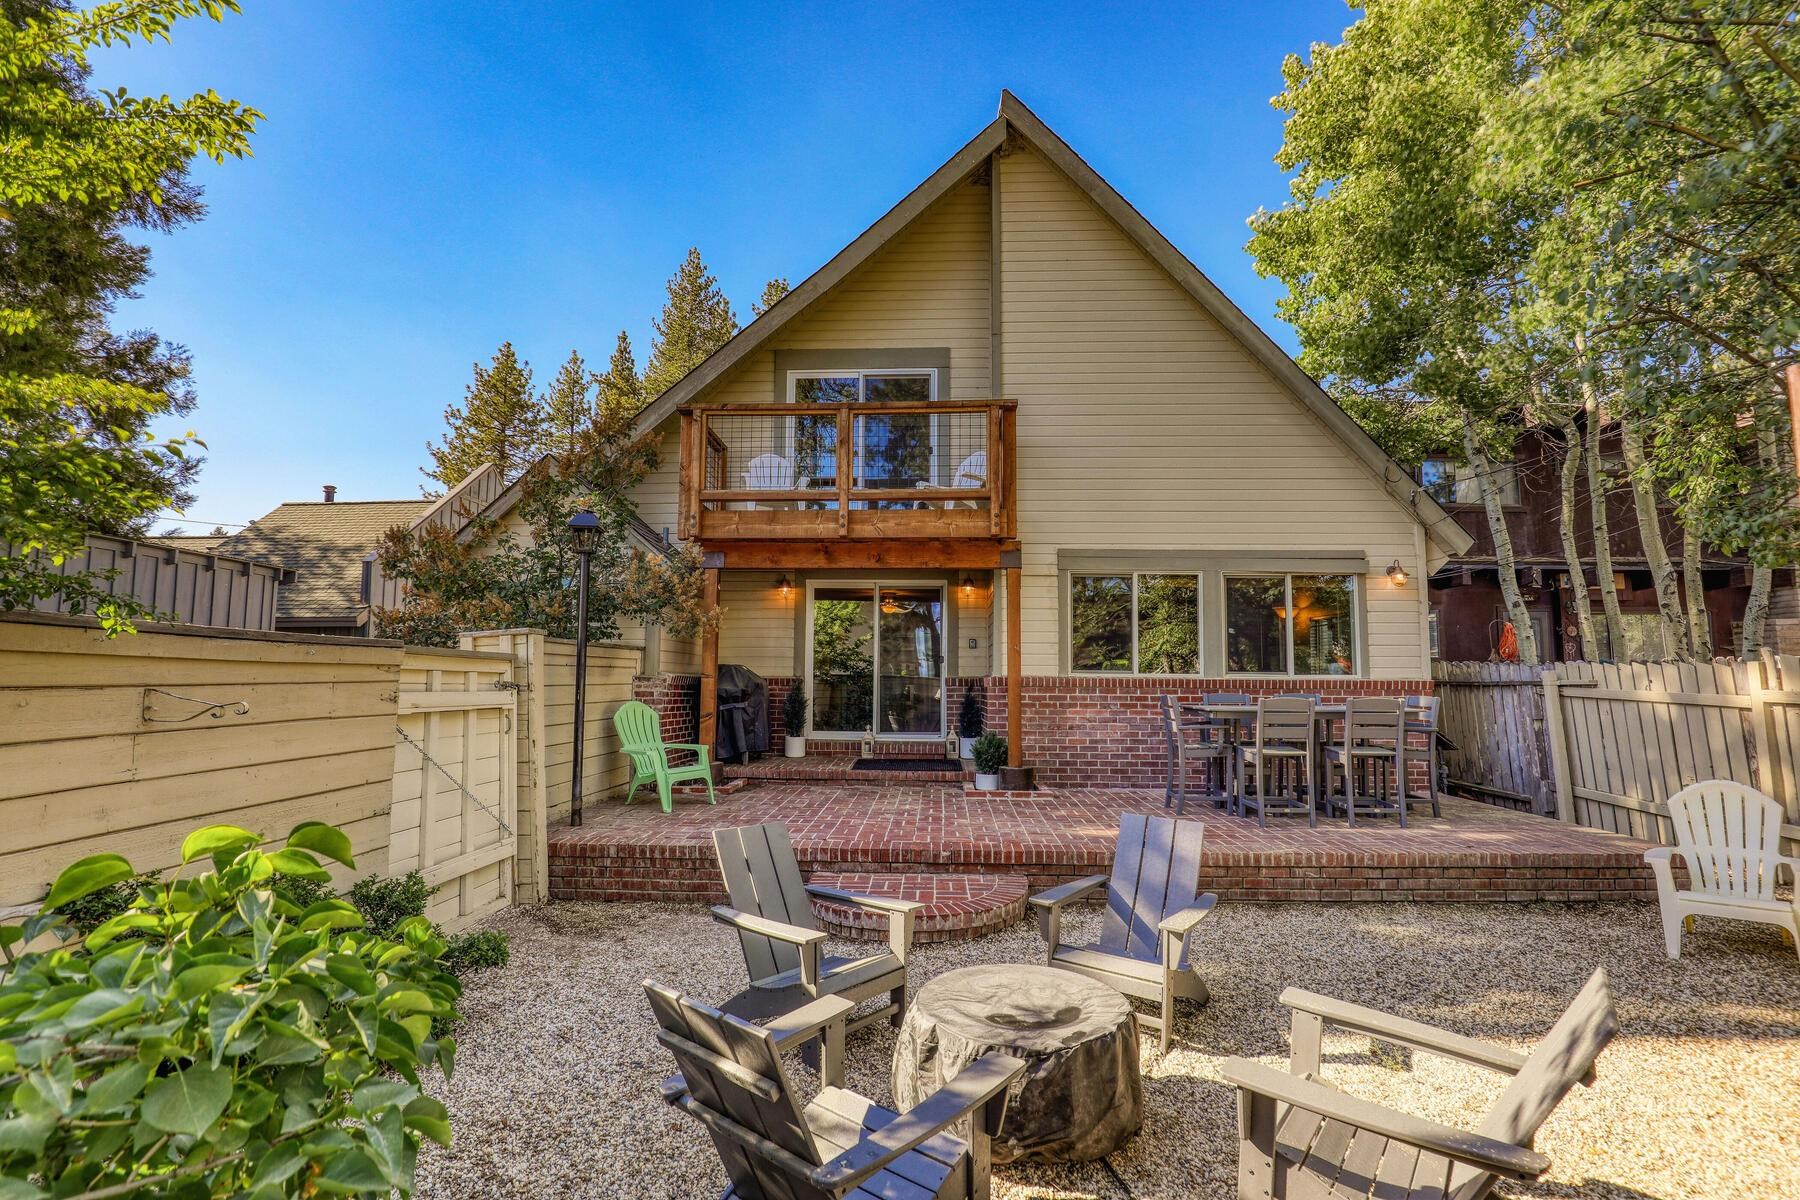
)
(784, 587)
(1397, 573)
(968, 585)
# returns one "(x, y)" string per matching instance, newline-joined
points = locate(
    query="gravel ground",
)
(1699, 1096)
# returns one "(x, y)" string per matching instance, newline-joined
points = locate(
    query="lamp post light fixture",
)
(584, 535)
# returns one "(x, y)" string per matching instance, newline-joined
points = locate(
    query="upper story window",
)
(1450, 482)
(892, 450)
(850, 387)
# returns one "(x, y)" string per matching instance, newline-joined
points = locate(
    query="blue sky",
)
(433, 179)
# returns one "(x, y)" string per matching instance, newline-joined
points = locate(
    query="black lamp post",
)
(584, 533)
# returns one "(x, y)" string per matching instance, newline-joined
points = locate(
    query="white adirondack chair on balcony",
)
(769, 473)
(1729, 835)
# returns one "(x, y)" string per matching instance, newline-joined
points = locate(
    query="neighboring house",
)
(1467, 611)
(324, 542)
(1010, 440)
(329, 547)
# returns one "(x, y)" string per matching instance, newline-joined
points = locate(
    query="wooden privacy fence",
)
(1624, 738)
(1494, 713)
(455, 799)
(452, 762)
(544, 742)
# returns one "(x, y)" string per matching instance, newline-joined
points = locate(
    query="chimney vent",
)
(330, 492)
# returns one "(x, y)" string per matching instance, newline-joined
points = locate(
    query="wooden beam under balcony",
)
(852, 554)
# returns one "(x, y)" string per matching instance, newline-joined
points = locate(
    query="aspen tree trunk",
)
(1656, 551)
(1516, 611)
(1762, 579)
(1571, 470)
(1698, 619)
(1597, 489)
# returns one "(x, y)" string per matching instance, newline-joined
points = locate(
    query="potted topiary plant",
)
(968, 724)
(793, 717)
(989, 753)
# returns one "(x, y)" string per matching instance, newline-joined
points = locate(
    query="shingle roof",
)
(325, 544)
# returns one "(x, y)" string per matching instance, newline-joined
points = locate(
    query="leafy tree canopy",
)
(77, 167)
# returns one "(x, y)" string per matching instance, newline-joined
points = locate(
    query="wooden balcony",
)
(853, 484)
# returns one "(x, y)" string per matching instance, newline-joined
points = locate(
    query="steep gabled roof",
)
(1015, 119)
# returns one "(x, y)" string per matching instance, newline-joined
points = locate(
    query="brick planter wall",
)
(1092, 731)
(676, 698)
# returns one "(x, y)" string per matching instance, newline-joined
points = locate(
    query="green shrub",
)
(235, 1044)
(969, 718)
(384, 902)
(87, 913)
(990, 753)
(476, 951)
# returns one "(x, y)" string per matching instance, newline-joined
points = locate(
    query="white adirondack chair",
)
(1730, 837)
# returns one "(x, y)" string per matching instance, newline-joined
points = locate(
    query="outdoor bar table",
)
(1245, 717)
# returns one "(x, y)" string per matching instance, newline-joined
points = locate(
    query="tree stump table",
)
(1081, 1096)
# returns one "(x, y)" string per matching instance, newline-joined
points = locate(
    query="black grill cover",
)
(743, 712)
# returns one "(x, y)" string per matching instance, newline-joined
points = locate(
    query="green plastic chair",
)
(640, 736)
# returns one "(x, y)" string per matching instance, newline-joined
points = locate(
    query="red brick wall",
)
(676, 698)
(1091, 731)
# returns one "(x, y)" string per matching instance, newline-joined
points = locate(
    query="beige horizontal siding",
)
(1144, 425)
(86, 765)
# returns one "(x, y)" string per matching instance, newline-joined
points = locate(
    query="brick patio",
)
(1475, 852)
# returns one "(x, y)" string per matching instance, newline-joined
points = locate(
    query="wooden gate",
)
(1494, 713)
(456, 794)
(1624, 738)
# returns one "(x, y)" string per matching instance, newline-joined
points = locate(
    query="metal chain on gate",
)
(445, 772)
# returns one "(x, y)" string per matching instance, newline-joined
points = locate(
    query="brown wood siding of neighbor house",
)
(1465, 592)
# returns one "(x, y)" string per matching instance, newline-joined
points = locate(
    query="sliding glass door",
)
(876, 659)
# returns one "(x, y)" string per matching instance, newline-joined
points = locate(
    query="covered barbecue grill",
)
(743, 713)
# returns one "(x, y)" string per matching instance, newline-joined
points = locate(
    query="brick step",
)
(838, 768)
(957, 907)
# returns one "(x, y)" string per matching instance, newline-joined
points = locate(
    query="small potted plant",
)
(989, 753)
(968, 724)
(793, 718)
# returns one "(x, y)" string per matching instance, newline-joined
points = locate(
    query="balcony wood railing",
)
(857, 471)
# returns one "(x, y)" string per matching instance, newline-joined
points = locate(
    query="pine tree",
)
(568, 406)
(621, 388)
(499, 421)
(696, 321)
(68, 261)
(772, 291)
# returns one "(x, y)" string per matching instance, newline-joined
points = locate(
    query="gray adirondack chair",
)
(840, 1145)
(1302, 1139)
(1151, 912)
(783, 944)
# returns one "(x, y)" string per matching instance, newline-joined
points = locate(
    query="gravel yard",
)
(555, 1089)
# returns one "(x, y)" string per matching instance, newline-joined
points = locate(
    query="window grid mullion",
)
(1288, 585)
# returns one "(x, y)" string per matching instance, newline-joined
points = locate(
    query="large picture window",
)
(1147, 624)
(1290, 625)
